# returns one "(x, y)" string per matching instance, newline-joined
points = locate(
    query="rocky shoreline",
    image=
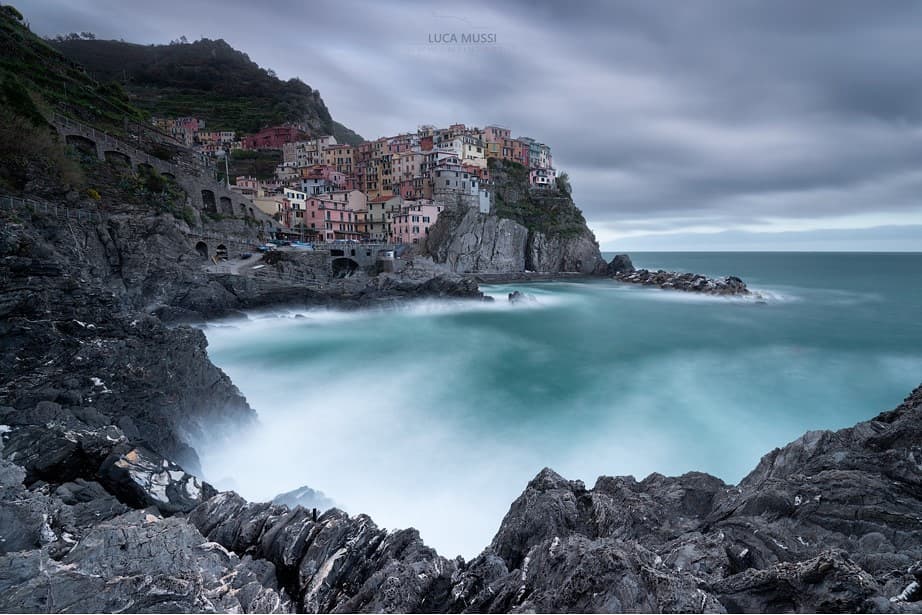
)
(101, 509)
(622, 269)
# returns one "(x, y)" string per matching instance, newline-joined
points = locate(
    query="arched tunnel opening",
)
(202, 248)
(81, 144)
(343, 267)
(117, 159)
(208, 202)
(221, 252)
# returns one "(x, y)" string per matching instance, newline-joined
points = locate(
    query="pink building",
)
(411, 223)
(542, 178)
(273, 137)
(320, 179)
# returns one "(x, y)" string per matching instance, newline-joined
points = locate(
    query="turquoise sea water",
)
(436, 415)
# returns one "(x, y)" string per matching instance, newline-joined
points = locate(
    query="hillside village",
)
(388, 190)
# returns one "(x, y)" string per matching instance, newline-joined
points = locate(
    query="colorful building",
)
(410, 224)
(274, 137)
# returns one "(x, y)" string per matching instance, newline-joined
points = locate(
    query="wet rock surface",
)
(622, 269)
(520, 297)
(688, 282)
(621, 263)
(470, 241)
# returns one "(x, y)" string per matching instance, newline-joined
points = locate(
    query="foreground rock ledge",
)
(831, 522)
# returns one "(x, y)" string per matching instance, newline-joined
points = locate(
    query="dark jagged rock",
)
(138, 562)
(520, 297)
(74, 331)
(54, 445)
(337, 562)
(621, 263)
(689, 282)
(143, 478)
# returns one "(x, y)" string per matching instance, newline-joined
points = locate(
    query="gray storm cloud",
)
(670, 117)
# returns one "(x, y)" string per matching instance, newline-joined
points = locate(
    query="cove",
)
(436, 414)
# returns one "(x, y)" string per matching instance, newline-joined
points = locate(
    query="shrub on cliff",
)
(550, 211)
(33, 154)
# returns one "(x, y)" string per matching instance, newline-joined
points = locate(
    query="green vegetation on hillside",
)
(53, 81)
(549, 211)
(259, 164)
(208, 79)
(346, 135)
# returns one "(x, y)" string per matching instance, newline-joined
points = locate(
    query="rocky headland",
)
(527, 230)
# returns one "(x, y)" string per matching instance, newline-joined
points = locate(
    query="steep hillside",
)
(51, 80)
(207, 79)
(346, 135)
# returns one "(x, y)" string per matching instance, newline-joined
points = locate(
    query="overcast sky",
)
(683, 125)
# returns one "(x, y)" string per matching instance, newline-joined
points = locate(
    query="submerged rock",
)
(520, 297)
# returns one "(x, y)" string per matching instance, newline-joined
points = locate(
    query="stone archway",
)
(343, 267)
(117, 158)
(143, 168)
(221, 252)
(208, 202)
(82, 145)
(202, 248)
(226, 206)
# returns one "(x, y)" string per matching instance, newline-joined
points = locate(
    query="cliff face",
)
(534, 230)
(74, 333)
(555, 252)
(470, 241)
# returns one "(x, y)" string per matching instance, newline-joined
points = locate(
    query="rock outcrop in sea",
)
(622, 269)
